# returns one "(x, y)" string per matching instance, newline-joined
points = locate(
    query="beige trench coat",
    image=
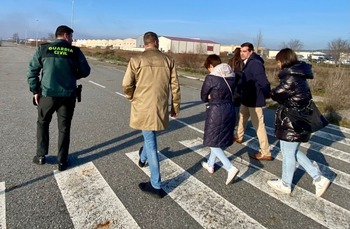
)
(147, 83)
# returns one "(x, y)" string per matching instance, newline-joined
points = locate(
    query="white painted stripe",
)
(90, 201)
(190, 77)
(97, 84)
(333, 137)
(320, 210)
(326, 150)
(118, 93)
(203, 204)
(336, 176)
(2, 206)
(339, 128)
(189, 126)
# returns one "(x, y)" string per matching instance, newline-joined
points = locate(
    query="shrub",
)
(336, 87)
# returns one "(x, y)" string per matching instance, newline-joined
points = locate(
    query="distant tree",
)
(51, 36)
(294, 44)
(15, 37)
(258, 41)
(336, 47)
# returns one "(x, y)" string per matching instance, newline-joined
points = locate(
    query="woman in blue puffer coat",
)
(220, 115)
(293, 92)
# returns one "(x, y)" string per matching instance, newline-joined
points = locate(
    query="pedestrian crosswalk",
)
(302, 200)
(92, 203)
(207, 207)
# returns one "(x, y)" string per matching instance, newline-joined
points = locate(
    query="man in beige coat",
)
(147, 83)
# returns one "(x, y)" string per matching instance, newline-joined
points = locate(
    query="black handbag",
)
(307, 119)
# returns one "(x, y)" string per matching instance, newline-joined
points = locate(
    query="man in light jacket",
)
(148, 81)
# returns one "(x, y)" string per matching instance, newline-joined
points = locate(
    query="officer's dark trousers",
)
(64, 107)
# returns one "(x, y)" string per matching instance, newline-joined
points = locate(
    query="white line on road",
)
(339, 128)
(2, 206)
(329, 151)
(118, 93)
(318, 209)
(336, 176)
(203, 204)
(97, 84)
(90, 201)
(189, 126)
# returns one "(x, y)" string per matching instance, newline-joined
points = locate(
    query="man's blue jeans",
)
(150, 153)
(292, 154)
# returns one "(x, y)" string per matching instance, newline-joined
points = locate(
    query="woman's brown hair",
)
(287, 57)
(212, 59)
(236, 62)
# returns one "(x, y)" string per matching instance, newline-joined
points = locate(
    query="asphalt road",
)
(100, 188)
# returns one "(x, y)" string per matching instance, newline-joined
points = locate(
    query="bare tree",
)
(51, 36)
(258, 41)
(294, 44)
(336, 47)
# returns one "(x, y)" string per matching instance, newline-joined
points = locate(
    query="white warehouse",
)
(184, 45)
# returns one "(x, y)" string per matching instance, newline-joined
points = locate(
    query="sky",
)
(229, 22)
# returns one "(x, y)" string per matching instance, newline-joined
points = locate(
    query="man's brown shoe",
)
(261, 157)
(235, 139)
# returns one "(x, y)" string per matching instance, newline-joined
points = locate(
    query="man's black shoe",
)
(62, 166)
(141, 164)
(39, 160)
(148, 188)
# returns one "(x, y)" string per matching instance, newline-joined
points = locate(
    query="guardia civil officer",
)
(60, 65)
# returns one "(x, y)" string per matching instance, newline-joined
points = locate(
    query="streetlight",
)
(36, 38)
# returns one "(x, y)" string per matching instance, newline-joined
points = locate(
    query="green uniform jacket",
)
(60, 64)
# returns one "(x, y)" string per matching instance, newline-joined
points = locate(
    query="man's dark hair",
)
(150, 37)
(62, 29)
(212, 59)
(249, 45)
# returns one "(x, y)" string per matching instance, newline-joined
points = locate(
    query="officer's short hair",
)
(62, 29)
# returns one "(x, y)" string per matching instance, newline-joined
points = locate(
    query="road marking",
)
(188, 125)
(97, 84)
(203, 204)
(90, 201)
(318, 209)
(118, 93)
(333, 137)
(2, 206)
(336, 176)
(329, 151)
(339, 128)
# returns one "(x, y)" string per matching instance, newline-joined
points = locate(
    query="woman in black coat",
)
(293, 92)
(220, 116)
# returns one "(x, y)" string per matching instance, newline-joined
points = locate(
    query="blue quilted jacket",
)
(220, 115)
